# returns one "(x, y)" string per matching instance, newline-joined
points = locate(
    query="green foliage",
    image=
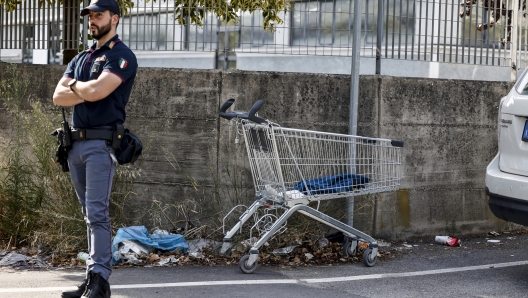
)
(227, 11)
(31, 183)
(60, 222)
(10, 5)
(193, 11)
(19, 196)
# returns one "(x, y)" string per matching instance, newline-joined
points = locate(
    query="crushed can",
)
(449, 241)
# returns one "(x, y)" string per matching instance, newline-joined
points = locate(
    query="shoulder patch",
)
(122, 63)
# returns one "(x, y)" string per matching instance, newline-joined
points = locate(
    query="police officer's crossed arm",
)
(80, 92)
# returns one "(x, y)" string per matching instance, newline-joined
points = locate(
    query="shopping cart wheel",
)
(369, 259)
(349, 247)
(244, 267)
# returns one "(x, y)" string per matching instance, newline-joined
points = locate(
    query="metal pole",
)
(513, 40)
(2, 42)
(217, 50)
(379, 36)
(354, 93)
(226, 40)
(226, 48)
(85, 27)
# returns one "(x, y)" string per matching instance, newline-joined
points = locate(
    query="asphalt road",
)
(419, 269)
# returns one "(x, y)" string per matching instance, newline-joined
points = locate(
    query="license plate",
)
(525, 132)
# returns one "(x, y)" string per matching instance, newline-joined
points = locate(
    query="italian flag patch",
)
(122, 63)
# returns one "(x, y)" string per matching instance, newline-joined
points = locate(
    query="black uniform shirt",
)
(115, 57)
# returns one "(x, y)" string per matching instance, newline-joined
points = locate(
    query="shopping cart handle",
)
(397, 143)
(254, 109)
(225, 106)
(251, 115)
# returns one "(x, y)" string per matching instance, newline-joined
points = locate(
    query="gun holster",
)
(62, 151)
(117, 139)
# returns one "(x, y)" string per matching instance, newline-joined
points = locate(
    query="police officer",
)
(97, 84)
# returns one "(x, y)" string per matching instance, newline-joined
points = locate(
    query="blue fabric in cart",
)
(140, 234)
(332, 184)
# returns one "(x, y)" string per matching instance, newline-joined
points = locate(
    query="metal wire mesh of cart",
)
(293, 164)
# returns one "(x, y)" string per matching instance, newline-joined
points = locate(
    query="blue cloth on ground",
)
(140, 234)
(332, 184)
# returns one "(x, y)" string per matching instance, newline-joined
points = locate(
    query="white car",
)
(507, 174)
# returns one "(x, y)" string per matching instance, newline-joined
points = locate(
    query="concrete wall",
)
(448, 126)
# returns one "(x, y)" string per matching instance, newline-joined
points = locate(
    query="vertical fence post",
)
(85, 25)
(217, 44)
(514, 40)
(226, 47)
(226, 38)
(379, 36)
(2, 40)
(354, 94)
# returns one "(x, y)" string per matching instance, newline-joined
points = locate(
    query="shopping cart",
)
(293, 167)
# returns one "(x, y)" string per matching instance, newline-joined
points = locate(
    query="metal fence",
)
(39, 33)
(482, 32)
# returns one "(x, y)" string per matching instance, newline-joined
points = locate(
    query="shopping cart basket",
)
(293, 167)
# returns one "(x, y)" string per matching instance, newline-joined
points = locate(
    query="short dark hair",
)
(118, 17)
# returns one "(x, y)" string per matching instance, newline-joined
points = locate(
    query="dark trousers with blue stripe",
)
(92, 167)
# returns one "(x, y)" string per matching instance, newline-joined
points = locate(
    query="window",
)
(252, 31)
(165, 36)
(322, 23)
(325, 22)
(140, 32)
(202, 37)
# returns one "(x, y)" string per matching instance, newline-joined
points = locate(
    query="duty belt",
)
(80, 134)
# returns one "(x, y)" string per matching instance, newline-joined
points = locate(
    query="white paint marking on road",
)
(27, 290)
(277, 281)
(162, 285)
(209, 283)
(416, 273)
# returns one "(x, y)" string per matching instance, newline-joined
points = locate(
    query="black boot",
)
(78, 293)
(97, 287)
